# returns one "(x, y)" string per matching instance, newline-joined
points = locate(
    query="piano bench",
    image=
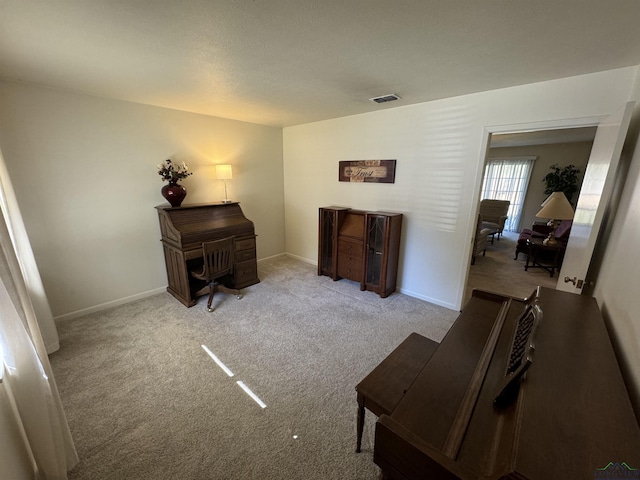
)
(383, 388)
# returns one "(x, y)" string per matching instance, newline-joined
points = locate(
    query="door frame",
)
(485, 144)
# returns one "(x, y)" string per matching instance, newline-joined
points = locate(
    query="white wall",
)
(440, 149)
(616, 285)
(84, 171)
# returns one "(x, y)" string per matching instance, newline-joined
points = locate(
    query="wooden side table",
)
(384, 387)
(547, 257)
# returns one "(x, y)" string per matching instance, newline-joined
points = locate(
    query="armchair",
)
(480, 240)
(494, 215)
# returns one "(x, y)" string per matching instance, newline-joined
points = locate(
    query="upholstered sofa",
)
(494, 215)
(542, 230)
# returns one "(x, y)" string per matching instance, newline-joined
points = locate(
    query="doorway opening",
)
(525, 158)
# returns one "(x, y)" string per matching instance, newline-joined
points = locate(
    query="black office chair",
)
(218, 262)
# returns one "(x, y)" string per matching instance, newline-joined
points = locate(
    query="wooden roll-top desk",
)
(183, 231)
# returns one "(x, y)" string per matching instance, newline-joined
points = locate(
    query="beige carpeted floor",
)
(145, 401)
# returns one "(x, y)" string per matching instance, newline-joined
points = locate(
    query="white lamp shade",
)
(556, 207)
(224, 172)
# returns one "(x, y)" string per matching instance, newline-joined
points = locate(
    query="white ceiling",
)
(287, 62)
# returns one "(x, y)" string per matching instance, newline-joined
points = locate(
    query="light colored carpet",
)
(144, 400)
(497, 271)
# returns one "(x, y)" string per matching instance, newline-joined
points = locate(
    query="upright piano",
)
(568, 416)
(184, 229)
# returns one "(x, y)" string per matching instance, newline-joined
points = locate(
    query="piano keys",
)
(571, 417)
(183, 231)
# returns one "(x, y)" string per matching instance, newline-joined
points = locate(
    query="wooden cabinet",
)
(360, 246)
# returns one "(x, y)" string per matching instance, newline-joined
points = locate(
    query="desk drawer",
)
(243, 255)
(350, 259)
(246, 273)
(245, 243)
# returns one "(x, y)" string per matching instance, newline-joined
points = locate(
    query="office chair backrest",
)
(218, 258)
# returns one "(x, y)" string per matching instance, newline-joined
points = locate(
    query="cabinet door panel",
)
(327, 236)
(375, 249)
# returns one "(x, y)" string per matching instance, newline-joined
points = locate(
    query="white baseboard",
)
(118, 302)
(302, 259)
(52, 347)
(290, 255)
(149, 293)
(111, 304)
(271, 257)
(131, 298)
(450, 306)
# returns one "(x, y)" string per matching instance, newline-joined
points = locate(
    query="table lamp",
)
(556, 207)
(224, 172)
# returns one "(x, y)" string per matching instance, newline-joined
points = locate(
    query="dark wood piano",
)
(185, 228)
(569, 418)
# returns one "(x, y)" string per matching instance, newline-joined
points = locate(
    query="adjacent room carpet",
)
(497, 271)
(145, 401)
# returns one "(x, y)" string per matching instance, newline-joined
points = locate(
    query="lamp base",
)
(226, 200)
(551, 239)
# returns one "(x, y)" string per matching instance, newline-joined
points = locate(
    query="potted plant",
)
(562, 179)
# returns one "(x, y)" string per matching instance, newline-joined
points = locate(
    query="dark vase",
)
(174, 193)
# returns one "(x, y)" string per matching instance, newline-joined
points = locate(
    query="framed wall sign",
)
(374, 171)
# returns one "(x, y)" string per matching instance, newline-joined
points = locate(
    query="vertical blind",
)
(508, 179)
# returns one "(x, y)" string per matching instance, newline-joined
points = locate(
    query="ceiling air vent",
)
(385, 98)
